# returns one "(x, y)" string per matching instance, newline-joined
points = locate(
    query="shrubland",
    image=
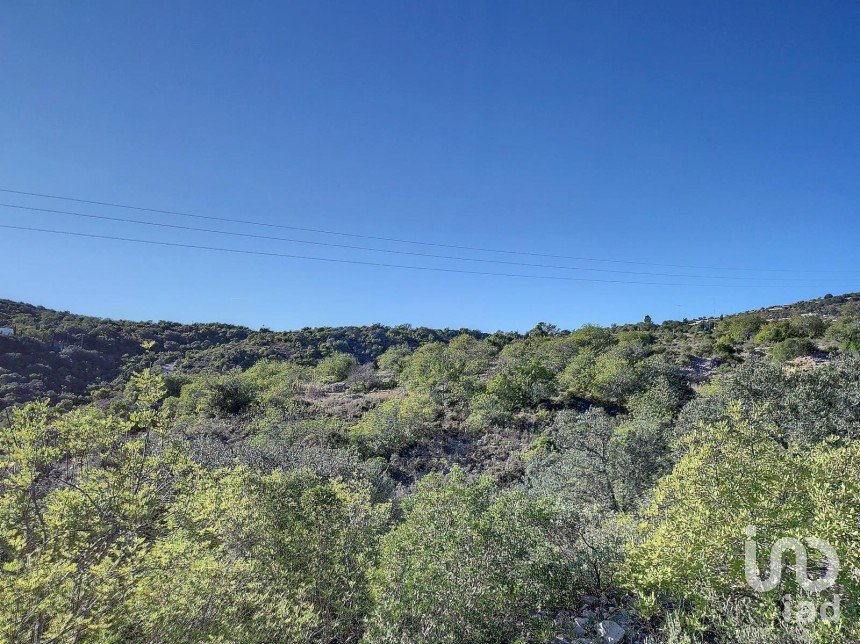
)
(407, 485)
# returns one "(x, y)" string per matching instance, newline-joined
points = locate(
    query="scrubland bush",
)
(733, 475)
(450, 373)
(334, 368)
(394, 424)
(740, 328)
(467, 564)
(522, 385)
(791, 348)
(486, 411)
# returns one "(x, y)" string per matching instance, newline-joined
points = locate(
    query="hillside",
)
(399, 484)
(63, 356)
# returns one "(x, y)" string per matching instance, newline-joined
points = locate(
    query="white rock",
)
(611, 632)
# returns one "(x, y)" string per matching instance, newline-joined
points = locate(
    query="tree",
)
(740, 328)
(99, 512)
(394, 358)
(449, 372)
(846, 331)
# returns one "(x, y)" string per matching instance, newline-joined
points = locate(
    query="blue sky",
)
(691, 133)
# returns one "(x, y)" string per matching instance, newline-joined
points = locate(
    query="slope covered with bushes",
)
(405, 485)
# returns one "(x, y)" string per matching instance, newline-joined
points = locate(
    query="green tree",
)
(450, 373)
(740, 328)
(846, 331)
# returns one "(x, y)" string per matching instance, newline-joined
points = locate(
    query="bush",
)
(740, 328)
(579, 374)
(486, 411)
(523, 385)
(265, 557)
(393, 425)
(468, 564)
(847, 333)
(592, 337)
(735, 474)
(394, 358)
(792, 348)
(217, 396)
(334, 368)
(100, 513)
(450, 373)
(808, 326)
(774, 332)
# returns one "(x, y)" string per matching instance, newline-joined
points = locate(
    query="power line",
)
(399, 240)
(391, 251)
(366, 263)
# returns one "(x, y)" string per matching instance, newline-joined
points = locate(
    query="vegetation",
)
(407, 485)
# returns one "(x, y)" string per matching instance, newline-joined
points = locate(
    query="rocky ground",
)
(598, 620)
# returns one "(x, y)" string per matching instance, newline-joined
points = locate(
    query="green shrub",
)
(468, 564)
(734, 474)
(334, 368)
(592, 337)
(217, 396)
(523, 385)
(740, 328)
(393, 425)
(774, 332)
(394, 358)
(847, 333)
(792, 348)
(450, 373)
(485, 412)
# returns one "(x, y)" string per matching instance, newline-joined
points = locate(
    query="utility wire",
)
(398, 252)
(365, 263)
(398, 240)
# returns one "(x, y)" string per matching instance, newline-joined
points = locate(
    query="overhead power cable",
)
(395, 252)
(400, 240)
(366, 263)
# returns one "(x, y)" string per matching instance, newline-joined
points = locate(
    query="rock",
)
(590, 600)
(610, 632)
(561, 639)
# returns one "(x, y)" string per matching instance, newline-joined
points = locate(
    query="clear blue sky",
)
(715, 134)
